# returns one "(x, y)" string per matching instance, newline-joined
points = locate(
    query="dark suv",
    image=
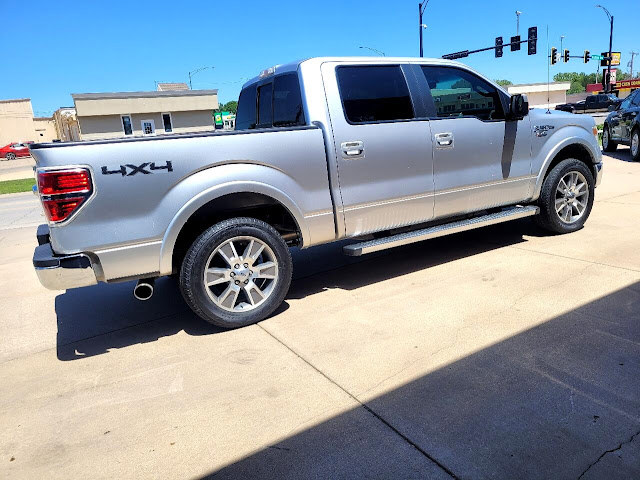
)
(623, 126)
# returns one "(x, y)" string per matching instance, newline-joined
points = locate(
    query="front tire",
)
(11, 156)
(608, 145)
(566, 197)
(236, 273)
(635, 144)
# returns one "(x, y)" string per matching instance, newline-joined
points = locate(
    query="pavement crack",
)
(364, 406)
(609, 451)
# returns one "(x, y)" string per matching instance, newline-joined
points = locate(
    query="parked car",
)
(622, 126)
(14, 150)
(592, 104)
(380, 151)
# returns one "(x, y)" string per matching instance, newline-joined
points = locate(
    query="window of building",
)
(265, 105)
(374, 93)
(287, 101)
(167, 123)
(126, 125)
(459, 93)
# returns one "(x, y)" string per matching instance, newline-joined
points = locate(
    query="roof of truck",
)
(293, 66)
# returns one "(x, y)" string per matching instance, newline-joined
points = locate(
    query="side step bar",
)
(370, 246)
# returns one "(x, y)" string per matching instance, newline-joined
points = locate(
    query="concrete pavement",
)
(498, 353)
(16, 169)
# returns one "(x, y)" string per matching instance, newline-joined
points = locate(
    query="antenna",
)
(548, 73)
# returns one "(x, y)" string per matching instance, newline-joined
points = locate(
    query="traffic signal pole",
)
(609, 62)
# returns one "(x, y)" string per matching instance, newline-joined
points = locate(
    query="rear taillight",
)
(63, 191)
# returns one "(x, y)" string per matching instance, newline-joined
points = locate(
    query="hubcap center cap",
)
(242, 274)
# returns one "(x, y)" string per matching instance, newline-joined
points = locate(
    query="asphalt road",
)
(498, 353)
(16, 169)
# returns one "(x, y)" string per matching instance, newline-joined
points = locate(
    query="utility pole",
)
(630, 64)
(518, 13)
(421, 8)
(607, 87)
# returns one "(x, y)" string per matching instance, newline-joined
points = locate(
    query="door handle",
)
(352, 149)
(444, 139)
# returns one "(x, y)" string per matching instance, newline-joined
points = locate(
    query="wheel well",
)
(246, 204)
(577, 151)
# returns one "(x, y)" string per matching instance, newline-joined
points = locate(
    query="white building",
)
(543, 95)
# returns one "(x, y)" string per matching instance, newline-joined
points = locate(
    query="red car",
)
(14, 150)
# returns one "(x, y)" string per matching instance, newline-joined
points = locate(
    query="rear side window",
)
(374, 93)
(246, 115)
(274, 104)
(287, 101)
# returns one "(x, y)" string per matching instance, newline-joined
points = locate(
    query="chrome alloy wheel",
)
(239, 282)
(635, 143)
(605, 138)
(572, 197)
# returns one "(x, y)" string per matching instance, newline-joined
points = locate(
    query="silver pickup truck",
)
(384, 151)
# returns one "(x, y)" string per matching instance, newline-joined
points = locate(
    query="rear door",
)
(480, 159)
(384, 154)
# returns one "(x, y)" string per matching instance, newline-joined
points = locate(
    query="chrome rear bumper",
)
(598, 168)
(60, 272)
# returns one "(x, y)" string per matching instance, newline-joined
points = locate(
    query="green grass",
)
(15, 186)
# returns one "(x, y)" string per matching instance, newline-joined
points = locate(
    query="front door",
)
(384, 155)
(148, 127)
(480, 160)
(618, 121)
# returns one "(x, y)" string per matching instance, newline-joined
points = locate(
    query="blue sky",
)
(59, 48)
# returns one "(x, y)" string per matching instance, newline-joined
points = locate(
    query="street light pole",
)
(561, 40)
(518, 13)
(421, 7)
(193, 72)
(607, 88)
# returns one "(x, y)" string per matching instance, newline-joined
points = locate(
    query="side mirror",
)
(519, 106)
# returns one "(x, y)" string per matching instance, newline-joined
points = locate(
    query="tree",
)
(504, 83)
(231, 106)
(576, 87)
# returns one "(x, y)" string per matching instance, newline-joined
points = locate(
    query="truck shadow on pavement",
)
(559, 400)
(93, 320)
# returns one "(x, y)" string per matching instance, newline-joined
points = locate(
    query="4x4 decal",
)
(144, 168)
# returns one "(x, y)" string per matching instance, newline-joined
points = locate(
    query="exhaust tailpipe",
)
(144, 288)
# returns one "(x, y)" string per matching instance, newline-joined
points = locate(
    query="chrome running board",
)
(511, 213)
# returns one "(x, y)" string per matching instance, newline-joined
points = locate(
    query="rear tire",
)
(608, 145)
(11, 156)
(566, 197)
(236, 273)
(635, 144)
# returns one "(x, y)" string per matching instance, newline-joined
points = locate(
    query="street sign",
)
(597, 57)
(615, 59)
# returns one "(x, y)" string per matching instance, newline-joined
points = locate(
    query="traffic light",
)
(498, 47)
(532, 40)
(587, 56)
(515, 43)
(554, 55)
(565, 56)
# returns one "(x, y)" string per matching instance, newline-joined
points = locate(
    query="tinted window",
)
(636, 98)
(458, 93)
(287, 101)
(373, 94)
(626, 103)
(265, 105)
(246, 115)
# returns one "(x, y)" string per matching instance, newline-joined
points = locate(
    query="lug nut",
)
(236, 266)
(250, 272)
(237, 282)
(246, 265)
(246, 281)
(233, 274)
